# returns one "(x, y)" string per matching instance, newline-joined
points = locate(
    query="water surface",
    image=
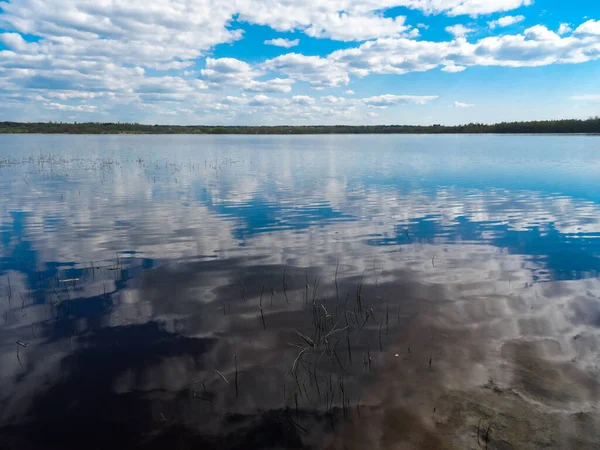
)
(299, 292)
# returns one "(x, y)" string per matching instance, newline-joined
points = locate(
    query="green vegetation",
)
(591, 125)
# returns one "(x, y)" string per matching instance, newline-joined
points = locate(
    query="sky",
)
(299, 62)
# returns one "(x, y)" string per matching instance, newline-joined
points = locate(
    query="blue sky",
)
(299, 61)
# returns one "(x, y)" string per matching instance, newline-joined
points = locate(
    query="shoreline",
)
(568, 126)
(303, 134)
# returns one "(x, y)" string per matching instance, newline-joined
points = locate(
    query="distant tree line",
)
(591, 125)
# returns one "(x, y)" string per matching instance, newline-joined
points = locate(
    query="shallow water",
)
(299, 292)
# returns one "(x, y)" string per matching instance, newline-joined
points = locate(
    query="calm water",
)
(299, 292)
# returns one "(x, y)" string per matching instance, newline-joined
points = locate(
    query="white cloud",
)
(273, 85)
(480, 7)
(228, 72)
(69, 95)
(32, 68)
(356, 20)
(591, 28)
(586, 98)
(564, 28)
(349, 92)
(451, 68)
(462, 105)
(62, 107)
(172, 65)
(391, 56)
(122, 31)
(303, 100)
(459, 30)
(15, 41)
(231, 72)
(505, 21)
(344, 27)
(332, 99)
(218, 69)
(263, 108)
(344, 20)
(372, 115)
(109, 51)
(319, 72)
(264, 100)
(269, 11)
(171, 31)
(285, 43)
(383, 101)
(537, 46)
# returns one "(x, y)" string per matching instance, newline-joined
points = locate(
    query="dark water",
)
(299, 292)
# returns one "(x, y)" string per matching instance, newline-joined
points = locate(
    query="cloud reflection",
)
(136, 274)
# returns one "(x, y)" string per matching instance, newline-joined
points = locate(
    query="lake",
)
(232, 292)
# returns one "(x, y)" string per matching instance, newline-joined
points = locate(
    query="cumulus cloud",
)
(478, 7)
(505, 21)
(383, 101)
(344, 27)
(564, 28)
(537, 46)
(452, 68)
(303, 100)
(172, 65)
(15, 41)
(319, 72)
(333, 99)
(69, 95)
(231, 72)
(273, 85)
(124, 31)
(391, 56)
(61, 107)
(281, 42)
(349, 92)
(125, 53)
(264, 100)
(590, 28)
(308, 109)
(342, 20)
(228, 70)
(271, 9)
(459, 30)
(462, 105)
(30, 64)
(171, 30)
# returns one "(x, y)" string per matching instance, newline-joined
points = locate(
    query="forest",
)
(590, 126)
